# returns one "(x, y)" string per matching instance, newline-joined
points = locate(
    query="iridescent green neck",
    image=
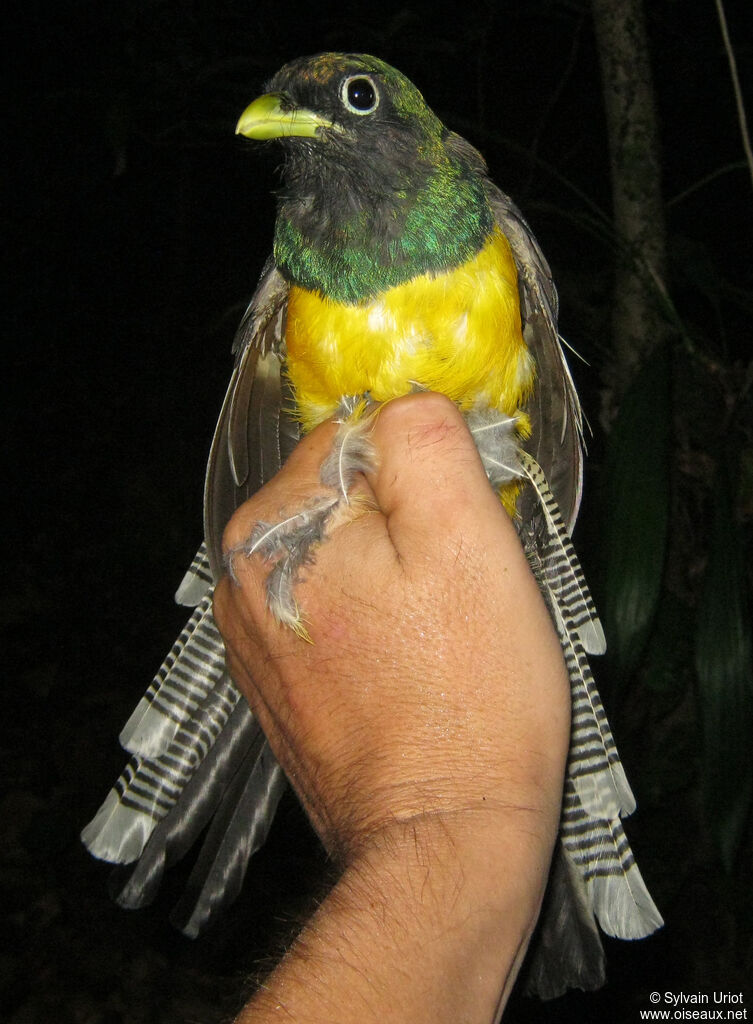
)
(351, 250)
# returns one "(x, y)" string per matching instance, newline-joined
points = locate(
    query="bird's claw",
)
(290, 543)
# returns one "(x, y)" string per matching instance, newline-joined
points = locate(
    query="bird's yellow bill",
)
(266, 118)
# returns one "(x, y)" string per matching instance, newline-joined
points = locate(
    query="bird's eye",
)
(359, 94)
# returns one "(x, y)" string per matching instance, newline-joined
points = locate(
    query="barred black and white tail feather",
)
(594, 873)
(600, 850)
(195, 807)
(148, 790)
(197, 581)
(563, 576)
(594, 764)
(186, 678)
(184, 731)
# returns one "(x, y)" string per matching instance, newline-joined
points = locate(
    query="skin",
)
(425, 728)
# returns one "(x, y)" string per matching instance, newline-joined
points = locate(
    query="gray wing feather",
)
(556, 441)
(255, 431)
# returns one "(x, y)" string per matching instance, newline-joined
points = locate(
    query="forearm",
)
(424, 926)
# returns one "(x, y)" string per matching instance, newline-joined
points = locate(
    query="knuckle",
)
(220, 602)
(237, 530)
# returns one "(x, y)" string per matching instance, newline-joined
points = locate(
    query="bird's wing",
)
(254, 433)
(198, 755)
(556, 441)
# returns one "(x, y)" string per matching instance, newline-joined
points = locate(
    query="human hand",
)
(434, 688)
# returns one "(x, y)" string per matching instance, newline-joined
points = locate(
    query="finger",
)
(430, 482)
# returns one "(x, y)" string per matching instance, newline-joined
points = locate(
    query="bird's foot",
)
(290, 543)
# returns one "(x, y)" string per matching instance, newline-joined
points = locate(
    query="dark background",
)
(136, 226)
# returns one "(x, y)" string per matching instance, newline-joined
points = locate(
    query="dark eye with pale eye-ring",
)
(359, 94)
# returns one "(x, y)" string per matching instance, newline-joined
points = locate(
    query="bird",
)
(397, 266)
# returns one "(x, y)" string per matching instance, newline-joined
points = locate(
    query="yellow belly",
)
(457, 333)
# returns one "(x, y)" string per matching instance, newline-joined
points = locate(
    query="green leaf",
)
(665, 672)
(724, 666)
(636, 514)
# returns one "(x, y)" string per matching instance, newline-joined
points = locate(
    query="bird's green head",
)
(345, 98)
(373, 194)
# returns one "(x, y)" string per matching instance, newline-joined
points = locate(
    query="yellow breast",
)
(457, 333)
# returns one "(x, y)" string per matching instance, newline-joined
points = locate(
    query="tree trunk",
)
(637, 322)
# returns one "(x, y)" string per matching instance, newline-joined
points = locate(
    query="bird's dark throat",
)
(351, 228)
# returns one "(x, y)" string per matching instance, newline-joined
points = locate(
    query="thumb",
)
(429, 481)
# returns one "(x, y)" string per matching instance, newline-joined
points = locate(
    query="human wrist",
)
(428, 921)
(453, 898)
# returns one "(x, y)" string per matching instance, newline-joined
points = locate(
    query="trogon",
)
(397, 266)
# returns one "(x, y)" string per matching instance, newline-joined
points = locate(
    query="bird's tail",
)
(198, 756)
(594, 876)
